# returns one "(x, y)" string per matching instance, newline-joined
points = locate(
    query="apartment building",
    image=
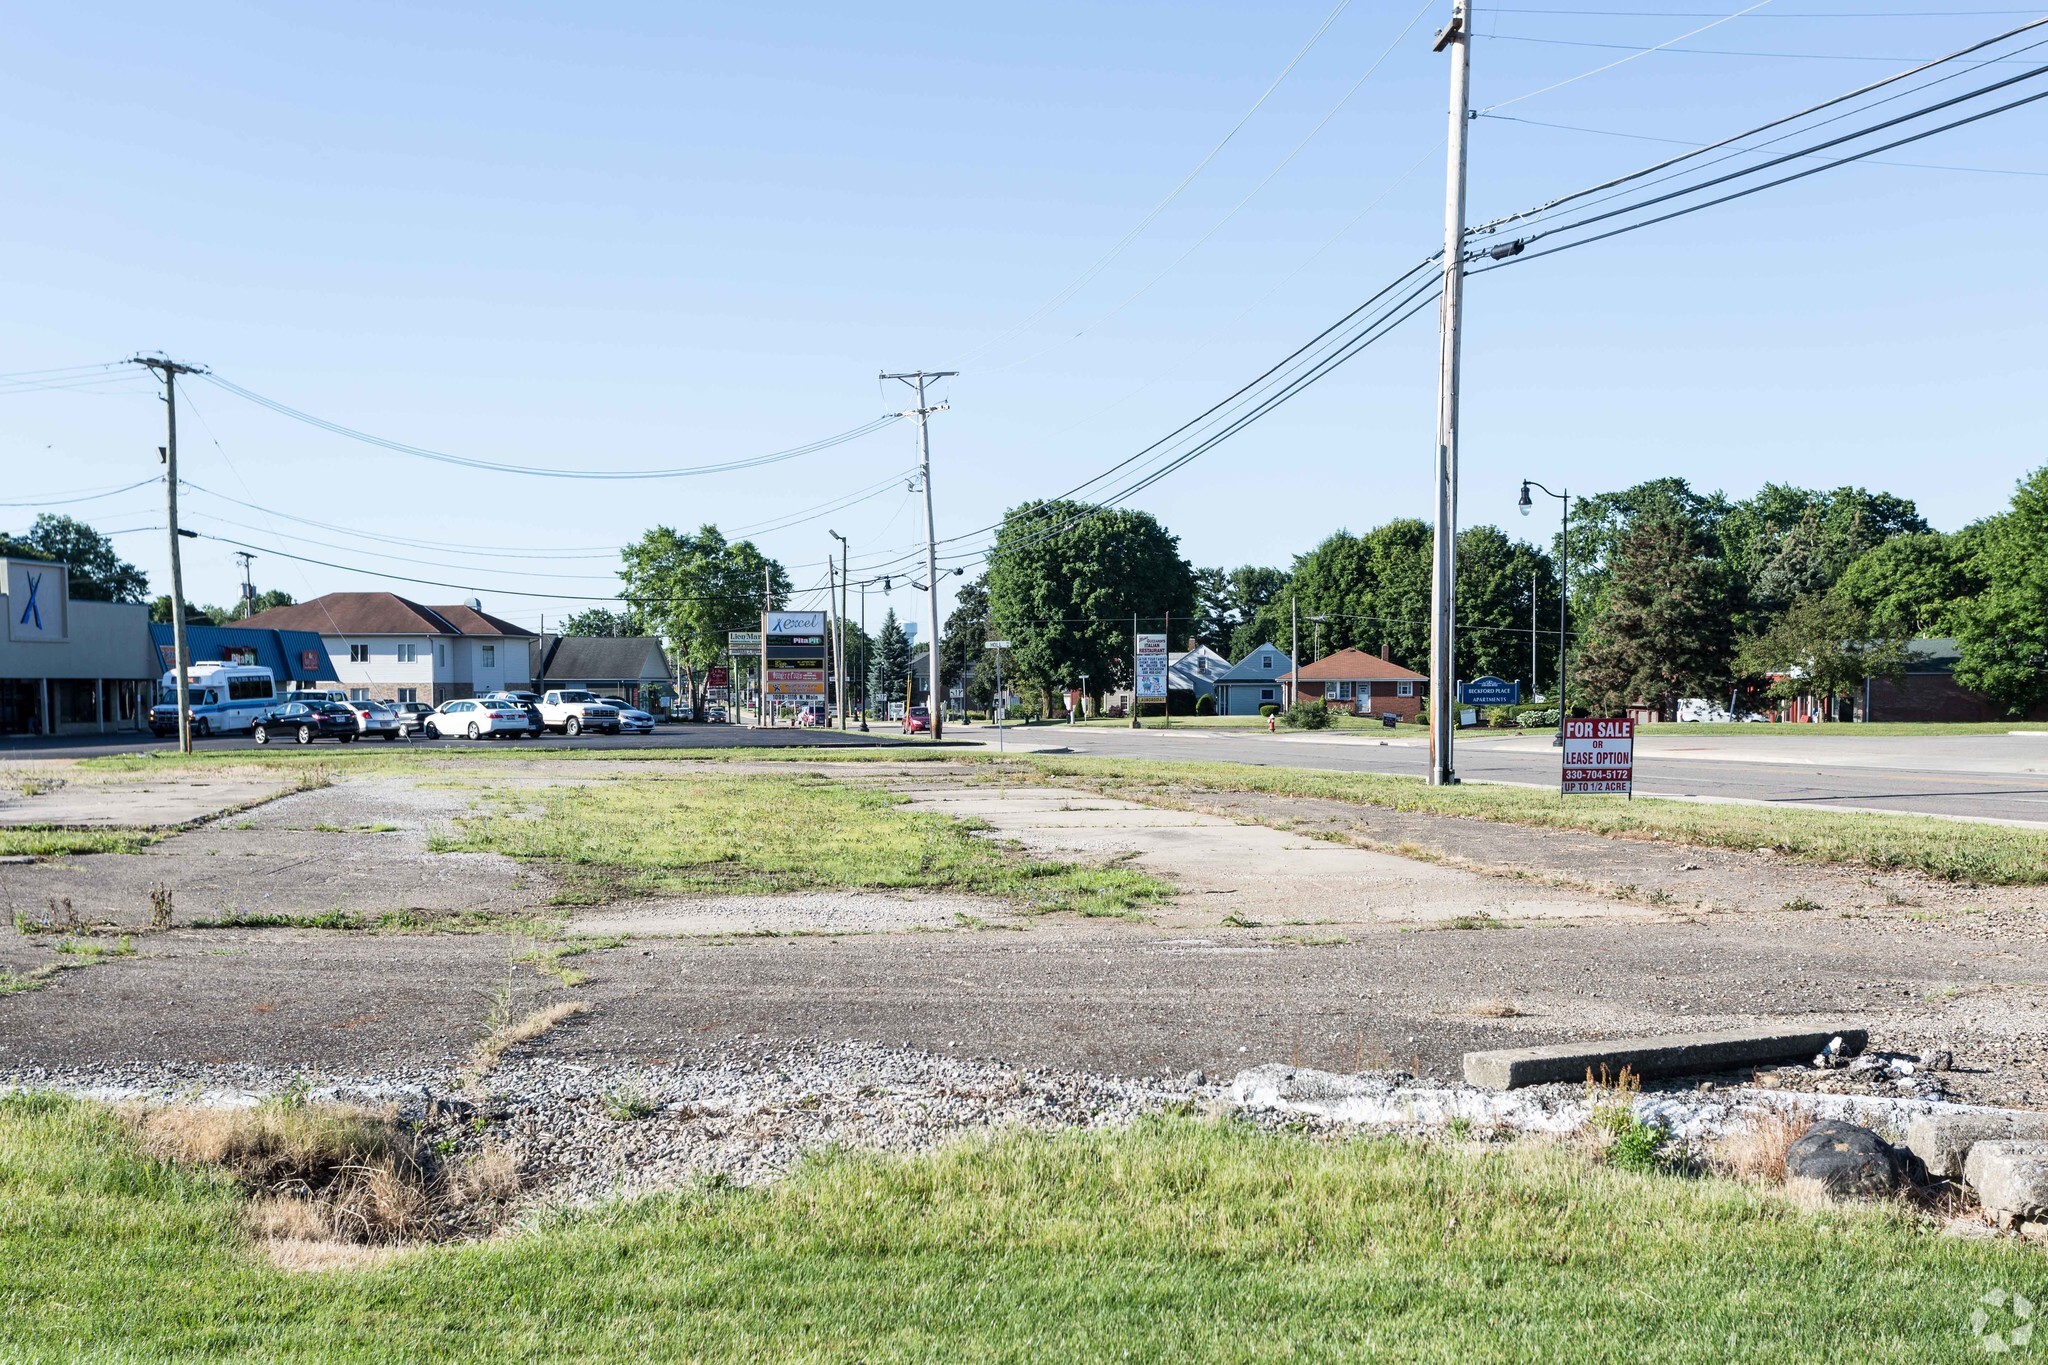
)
(390, 648)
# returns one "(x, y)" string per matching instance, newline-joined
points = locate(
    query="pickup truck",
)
(573, 710)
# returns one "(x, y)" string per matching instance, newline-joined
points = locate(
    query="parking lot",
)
(663, 737)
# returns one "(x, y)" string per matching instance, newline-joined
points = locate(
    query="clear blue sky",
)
(644, 235)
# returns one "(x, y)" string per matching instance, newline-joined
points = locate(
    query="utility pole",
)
(864, 675)
(1456, 36)
(1294, 653)
(249, 586)
(1532, 637)
(833, 659)
(918, 379)
(767, 605)
(839, 634)
(181, 655)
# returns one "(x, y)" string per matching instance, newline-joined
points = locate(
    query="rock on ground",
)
(2010, 1178)
(1844, 1161)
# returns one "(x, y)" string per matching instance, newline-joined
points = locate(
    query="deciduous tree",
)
(693, 589)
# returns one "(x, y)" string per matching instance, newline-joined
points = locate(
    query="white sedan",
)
(473, 719)
(632, 720)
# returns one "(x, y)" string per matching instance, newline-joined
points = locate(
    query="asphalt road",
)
(663, 737)
(1997, 777)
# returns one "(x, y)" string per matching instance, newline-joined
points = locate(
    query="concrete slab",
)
(1678, 1054)
(1943, 1141)
(113, 804)
(1254, 872)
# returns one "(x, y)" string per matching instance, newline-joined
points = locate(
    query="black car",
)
(306, 721)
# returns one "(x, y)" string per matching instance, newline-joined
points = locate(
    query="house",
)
(69, 666)
(1362, 684)
(1195, 670)
(629, 666)
(294, 657)
(390, 648)
(1252, 682)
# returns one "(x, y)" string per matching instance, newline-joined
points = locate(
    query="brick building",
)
(1362, 684)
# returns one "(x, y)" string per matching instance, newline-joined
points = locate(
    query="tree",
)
(97, 572)
(2003, 632)
(265, 600)
(1495, 579)
(1664, 630)
(603, 621)
(694, 589)
(1913, 584)
(1065, 580)
(889, 668)
(1823, 645)
(195, 615)
(1601, 522)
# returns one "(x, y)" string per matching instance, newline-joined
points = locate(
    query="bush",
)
(1500, 717)
(1537, 720)
(1307, 715)
(1205, 705)
(1269, 709)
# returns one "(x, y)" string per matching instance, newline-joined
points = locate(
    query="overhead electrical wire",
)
(557, 472)
(1622, 61)
(1702, 51)
(66, 499)
(1694, 142)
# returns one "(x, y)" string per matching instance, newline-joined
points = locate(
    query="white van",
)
(225, 698)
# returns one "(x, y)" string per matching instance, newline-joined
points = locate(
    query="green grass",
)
(1865, 730)
(1996, 855)
(47, 841)
(730, 832)
(1177, 1240)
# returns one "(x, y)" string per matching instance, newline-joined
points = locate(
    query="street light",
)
(1526, 504)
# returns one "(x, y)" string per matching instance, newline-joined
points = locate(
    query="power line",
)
(1701, 51)
(1775, 14)
(556, 472)
(1693, 142)
(1621, 61)
(66, 499)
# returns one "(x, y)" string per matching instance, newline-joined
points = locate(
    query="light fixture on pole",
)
(1525, 504)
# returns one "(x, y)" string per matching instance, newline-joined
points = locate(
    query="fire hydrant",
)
(1271, 728)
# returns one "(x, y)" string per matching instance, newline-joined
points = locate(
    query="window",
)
(408, 693)
(78, 700)
(1265, 694)
(359, 694)
(490, 656)
(441, 655)
(1266, 662)
(408, 654)
(248, 689)
(1340, 691)
(1406, 689)
(359, 654)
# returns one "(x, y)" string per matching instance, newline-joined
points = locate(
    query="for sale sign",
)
(1599, 758)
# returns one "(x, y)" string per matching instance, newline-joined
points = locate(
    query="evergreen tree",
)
(889, 668)
(1664, 631)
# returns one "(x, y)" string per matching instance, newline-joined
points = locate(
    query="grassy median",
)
(1179, 1239)
(1993, 855)
(735, 832)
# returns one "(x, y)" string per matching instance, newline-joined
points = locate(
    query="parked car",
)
(412, 716)
(525, 701)
(375, 718)
(305, 721)
(917, 720)
(715, 713)
(572, 710)
(475, 717)
(632, 720)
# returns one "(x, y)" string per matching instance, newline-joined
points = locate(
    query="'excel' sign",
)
(793, 654)
(1599, 758)
(38, 597)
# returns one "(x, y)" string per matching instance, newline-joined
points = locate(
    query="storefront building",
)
(69, 667)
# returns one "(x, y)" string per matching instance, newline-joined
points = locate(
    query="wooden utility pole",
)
(181, 655)
(918, 379)
(1456, 36)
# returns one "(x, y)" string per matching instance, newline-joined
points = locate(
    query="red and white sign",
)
(796, 682)
(1599, 758)
(716, 676)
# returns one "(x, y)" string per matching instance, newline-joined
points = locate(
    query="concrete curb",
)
(1678, 1054)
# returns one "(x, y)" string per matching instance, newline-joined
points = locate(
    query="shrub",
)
(1307, 715)
(1205, 705)
(1500, 717)
(1268, 709)
(1537, 720)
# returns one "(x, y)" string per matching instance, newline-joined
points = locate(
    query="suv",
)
(572, 710)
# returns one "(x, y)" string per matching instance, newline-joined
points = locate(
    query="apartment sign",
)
(1599, 758)
(1151, 667)
(38, 602)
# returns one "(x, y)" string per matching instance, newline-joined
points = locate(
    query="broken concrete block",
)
(1679, 1054)
(2010, 1178)
(1943, 1141)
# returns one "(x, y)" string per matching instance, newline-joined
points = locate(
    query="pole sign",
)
(1599, 758)
(793, 654)
(1489, 691)
(743, 641)
(716, 676)
(1152, 667)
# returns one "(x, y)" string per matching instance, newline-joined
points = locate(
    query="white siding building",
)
(388, 648)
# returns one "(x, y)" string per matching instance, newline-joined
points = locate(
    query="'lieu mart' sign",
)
(1599, 758)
